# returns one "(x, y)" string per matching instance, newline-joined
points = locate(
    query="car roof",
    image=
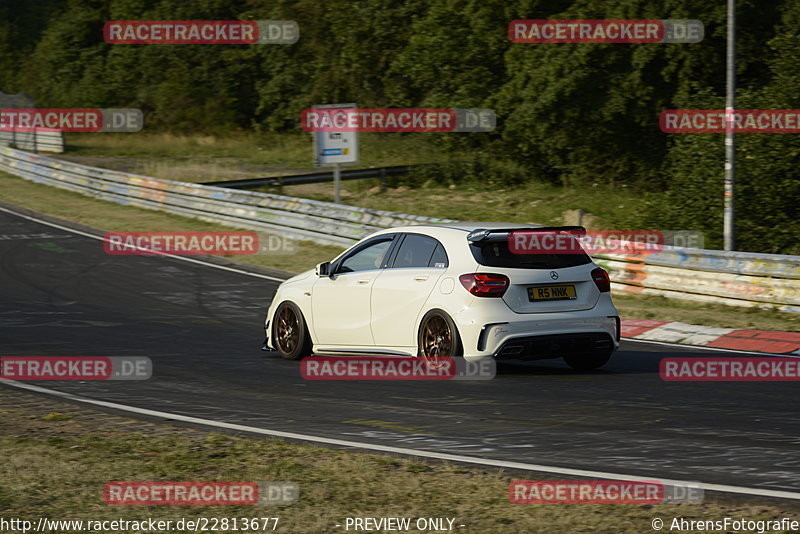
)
(466, 226)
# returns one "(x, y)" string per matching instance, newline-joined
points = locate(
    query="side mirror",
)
(323, 269)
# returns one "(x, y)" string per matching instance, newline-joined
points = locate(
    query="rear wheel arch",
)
(456, 348)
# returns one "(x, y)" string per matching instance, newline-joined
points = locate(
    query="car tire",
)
(289, 332)
(587, 362)
(438, 338)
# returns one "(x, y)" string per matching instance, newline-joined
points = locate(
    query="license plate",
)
(536, 294)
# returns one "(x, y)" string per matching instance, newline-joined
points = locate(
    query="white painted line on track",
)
(715, 349)
(402, 450)
(182, 258)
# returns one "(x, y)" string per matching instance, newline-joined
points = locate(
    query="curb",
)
(769, 341)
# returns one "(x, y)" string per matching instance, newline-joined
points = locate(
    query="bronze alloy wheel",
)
(287, 330)
(436, 338)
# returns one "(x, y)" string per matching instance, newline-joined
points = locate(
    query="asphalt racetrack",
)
(61, 295)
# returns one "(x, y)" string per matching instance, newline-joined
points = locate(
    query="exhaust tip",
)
(602, 344)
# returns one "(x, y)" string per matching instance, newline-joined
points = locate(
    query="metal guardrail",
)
(736, 278)
(638, 275)
(313, 178)
(39, 140)
(303, 219)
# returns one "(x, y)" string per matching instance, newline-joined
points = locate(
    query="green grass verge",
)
(665, 309)
(293, 151)
(535, 202)
(56, 468)
(433, 201)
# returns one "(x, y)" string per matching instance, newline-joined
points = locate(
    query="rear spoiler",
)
(482, 235)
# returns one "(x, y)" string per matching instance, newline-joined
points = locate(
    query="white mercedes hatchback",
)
(448, 290)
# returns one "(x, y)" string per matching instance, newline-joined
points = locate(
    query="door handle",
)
(421, 277)
(364, 281)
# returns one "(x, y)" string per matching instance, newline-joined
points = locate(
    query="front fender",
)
(301, 297)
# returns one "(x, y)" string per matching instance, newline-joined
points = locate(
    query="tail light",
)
(485, 284)
(601, 280)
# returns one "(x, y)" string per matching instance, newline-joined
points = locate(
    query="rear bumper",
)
(554, 346)
(488, 330)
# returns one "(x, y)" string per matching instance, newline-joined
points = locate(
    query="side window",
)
(366, 259)
(416, 251)
(439, 258)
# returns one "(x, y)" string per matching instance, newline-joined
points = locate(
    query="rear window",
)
(497, 254)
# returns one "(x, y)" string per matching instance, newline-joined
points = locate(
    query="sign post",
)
(334, 149)
(729, 210)
(337, 183)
